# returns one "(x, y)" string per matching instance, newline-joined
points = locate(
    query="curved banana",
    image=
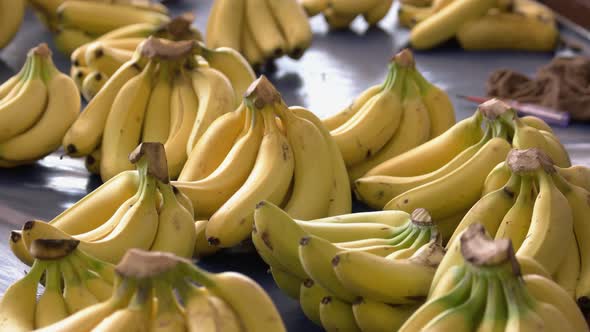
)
(517, 220)
(51, 306)
(313, 7)
(251, 50)
(169, 316)
(497, 178)
(435, 153)
(156, 126)
(294, 25)
(225, 317)
(377, 13)
(439, 105)
(469, 177)
(272, 173)
(337, 20)
(310, 297)
(69, 39)
(495, 313)
(334, 121)
(123, 125)
(105, 58)
(202, 247)
(336, 315)
(224, 24)
(92, 83)
(265, 29)
(75, 293)
(556, 150)
(352, 6)
(380, 317)
(568, 272)
(287, 282)
(13, 12)
(78, 74)
(537, 123)
(577, 175)
(526, 137)
(17, 305)
(135, 316)
(215, 98)
(15, 82)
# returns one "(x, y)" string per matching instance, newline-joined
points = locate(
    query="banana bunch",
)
(262, 151)
(356, 272)
(163, 94)
(262, 30)
(94, 62)
(162, 292)
(543, 210)
(37, 106)
(457, 161)
(389, 119)
(339, 14)
(73, 281)
(12, 13)
(136, 209)
(486, 291)
(481, 25)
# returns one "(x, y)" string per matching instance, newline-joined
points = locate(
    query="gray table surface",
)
(338, 67)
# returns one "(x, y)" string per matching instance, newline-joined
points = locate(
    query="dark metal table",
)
(336, 69)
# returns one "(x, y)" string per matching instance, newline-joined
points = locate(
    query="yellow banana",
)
(135, 316)
(15, 81)
(78, 74)
(576, 175)
(313, 7)
(105, 58)
(338, 119)
(265, 29)
(197, 305)
(536, 122)
(497, 178)
(495, 313)
(252, 52)
(156, 126)
(287, 282)
(568, 272)
(51, 306)
(202, 247)
(225, 317)
(377, 13)
(517, 220)
(294, 25)
(336, 315)
(76, 294)
(224, 24)
(92, 84)
(69, 39)
(526, 137)
(12, 16)
(439, 105)
(169, 316)
(351, 6)
(375, 316)
(410, 15)
(337, 20)
(556, 150)
(310, 296)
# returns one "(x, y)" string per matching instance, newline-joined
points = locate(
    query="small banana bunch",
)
(73, 281)
(163, 94)
(365, 271)
(339, 14)
(481, 25)
(136, 209)
(162, 292)
(94, 62)
(543, 210)
(37, 106)
(458, 161)
(262, 151)
(262, 30)
(389, 119)
(12, 13)
(78, 22)
(486, 291)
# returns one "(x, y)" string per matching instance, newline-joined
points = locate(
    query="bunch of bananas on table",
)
(12, 13)
(263, 151)
(37, 106)
(153, 291)
(544, 214)
(78, 22)
(344, 270)
(73, 281)
(481, 25)
(486, 291)
(457, 161)
(340, 13)
(262, 30)
(94, 62)
(391, 118)
(163, 94)
(136, 209)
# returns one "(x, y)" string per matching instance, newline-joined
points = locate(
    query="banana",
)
(576, 175)
(495, 314)
(351, 6)
(435, 153)
(409, 16)
(85, 134)
(545, 237)
(169, 316)
(517, 220)
(314, 7)
(199, 313)
(60, 112)
(390, 281)
(233, 66)
(377, 13)
(69, 39)
(18, 248)
(287, 282)
(537, 123)
(92, 84)
(135, 316)
(176, 229)
(526, 137)
(266, 30)
(521, 317)
(78, 74)
(553, 318)
(183, 115)
(337, 20)
(445, 23)
(336, 315)
(568, 272)
(17, 305)
(86, 319)
(366, 132)
(106, 59)
(340, 200)
(88, 16)
(122, 130)
(439, 105)
(12, 16)
(377, 190)
(545, 290)
(156, 126)
(293, 23)
(51, 306)
(224, 24)
(413, 130)
(373, 316)
(251, 50)
(338, 119)
(313, 176)
(497, 178)
(202, 247)
(272, 173)
(556, 150)
(100, 288)
(20, 112)
(310, 296)
(15, 81)
(469, 177)
(215, 98)
(215, 144)
(75, 293)
(225, 317)
(210, 193)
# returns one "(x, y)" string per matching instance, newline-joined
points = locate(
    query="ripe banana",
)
(156, 126)
(351, 6)
(310, 297)
(289, 16)
(517, 220)
(377, 13)
(265, 29)
(51, 306)
(338, 119)
(17, 306)
(375, 316)
(314, 7)
(224, 24)
(336, 315)
(92, 84)
(105, 58)
(287, 282)
(439, 105)
(12, 17)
